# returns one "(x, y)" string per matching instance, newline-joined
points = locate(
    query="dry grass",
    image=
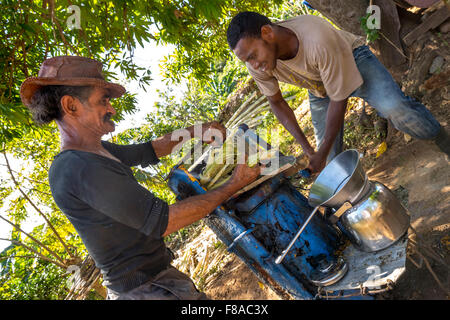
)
(202, 257)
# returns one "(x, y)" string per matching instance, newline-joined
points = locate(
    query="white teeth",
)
(263, 68)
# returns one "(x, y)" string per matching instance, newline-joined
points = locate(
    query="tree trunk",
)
(346, 15)
(343, 13)
(390, 46)
(235, 101)
(86, 277)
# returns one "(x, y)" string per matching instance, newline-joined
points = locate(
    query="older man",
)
(121, 223)
(333, 65)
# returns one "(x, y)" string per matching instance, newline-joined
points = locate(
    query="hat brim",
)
(31, 85)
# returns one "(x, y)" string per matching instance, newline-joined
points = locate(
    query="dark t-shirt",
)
(120, 222)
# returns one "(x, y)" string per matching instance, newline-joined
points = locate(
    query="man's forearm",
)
(334, 123)
(287, 118)
(192, 209)
(165, 145)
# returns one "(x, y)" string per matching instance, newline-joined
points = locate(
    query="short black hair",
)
(46, 102)
(245, 24)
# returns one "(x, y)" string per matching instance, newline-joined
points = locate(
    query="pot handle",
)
(345, 206)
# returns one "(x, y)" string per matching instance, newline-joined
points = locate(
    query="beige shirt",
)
(324, 63)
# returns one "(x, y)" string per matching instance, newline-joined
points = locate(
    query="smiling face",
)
(259, 53)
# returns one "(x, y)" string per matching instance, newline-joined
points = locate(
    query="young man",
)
(333, 65)
(121, 223)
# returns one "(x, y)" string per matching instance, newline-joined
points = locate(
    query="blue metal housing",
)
(260, 223)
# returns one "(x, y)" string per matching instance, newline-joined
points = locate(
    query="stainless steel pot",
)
(367, 212)
(377, 221)
(342, 180)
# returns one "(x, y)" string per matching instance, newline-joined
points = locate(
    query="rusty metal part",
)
(285, 251)
(272, 283)
(363, 291)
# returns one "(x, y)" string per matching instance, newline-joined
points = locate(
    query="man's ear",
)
(267, 33)
(69, 104)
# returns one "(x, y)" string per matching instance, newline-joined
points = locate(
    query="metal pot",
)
(367, 212)
(342, 180)
(377, 221)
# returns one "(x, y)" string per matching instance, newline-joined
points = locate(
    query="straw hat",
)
(68, 71)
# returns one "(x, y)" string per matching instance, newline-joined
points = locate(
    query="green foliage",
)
(372, 34)
(28, 275)
(221, 84)
(32, 31)
(198, 30)
(27, 279)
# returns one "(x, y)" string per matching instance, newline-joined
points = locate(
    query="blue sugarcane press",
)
(259, 224)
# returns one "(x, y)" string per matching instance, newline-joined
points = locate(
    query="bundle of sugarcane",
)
(219, 159)
(252, 112)
(202, 257)
(224, 174)
(222, 161)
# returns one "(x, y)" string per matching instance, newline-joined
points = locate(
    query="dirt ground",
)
(417, 172)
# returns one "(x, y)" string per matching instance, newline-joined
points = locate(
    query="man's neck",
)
(288, 43)
(72, 139)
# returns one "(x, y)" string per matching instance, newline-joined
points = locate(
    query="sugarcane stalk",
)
(261, 156)
(226, 168)
(244, 115)
(261, 108)
(220, 183)
(255, 112)
(257, 120)
(264, 109)
(238, 111)
(237, 115)
(214, 165)
(254, 105)
(247, 111)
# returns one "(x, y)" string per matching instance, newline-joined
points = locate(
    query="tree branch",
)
(58, 26)
(62, 265)
(42, 192)
(35, 181)
(36, 208)
(34, 239)
(28, 257)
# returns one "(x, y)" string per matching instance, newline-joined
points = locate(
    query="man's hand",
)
(170, 142)
(243, 175)
(317, 162)
(213, 132)
(187, 211)
(334, 123)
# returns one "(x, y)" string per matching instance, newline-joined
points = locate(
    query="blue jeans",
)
(381, 92)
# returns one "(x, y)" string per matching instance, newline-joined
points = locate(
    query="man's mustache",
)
(107, 117)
